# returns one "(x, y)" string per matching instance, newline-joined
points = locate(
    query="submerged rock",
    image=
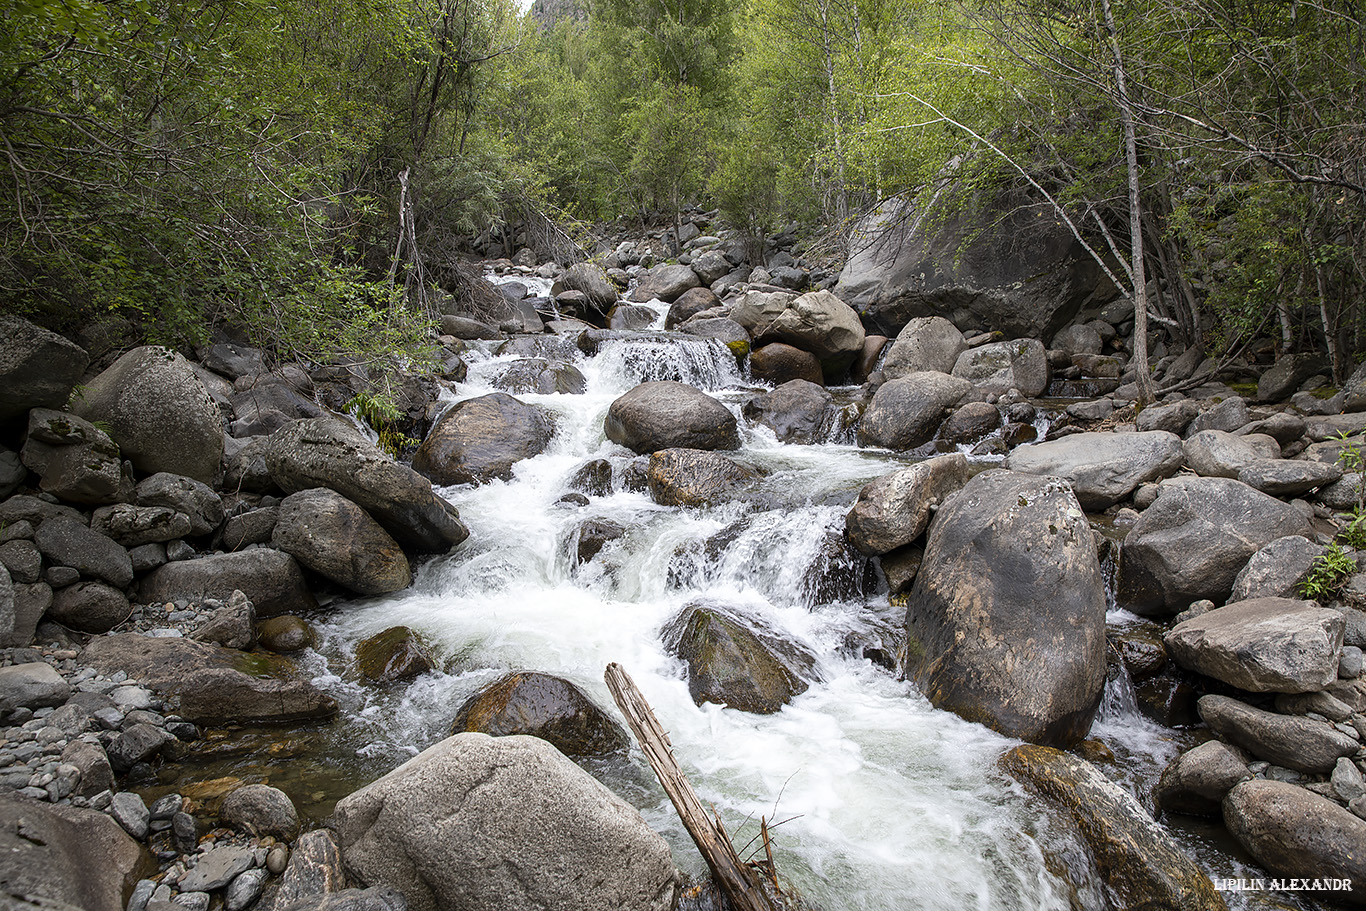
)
(730, 664)
(398, 653)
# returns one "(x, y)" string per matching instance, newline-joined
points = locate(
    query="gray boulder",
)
(76, 461)
(894, 510)
(1195, 782)
(338, 540)
(821, 323)
(778, 363)
(689, 304)
(1289, 372)
(710, 266)
(1228, 415)
(1103, 468)
(66, 542)
(666, 283)
(31, 686)
(1286, 478)
(544, 706)
(1293, 832)
(925, 343)
(669, 415)
(133, 526)
(1001, 366)
(1267, 645)
(735, 663)
(1276, 570)
(260, 810)
(480, 439)
(12, 472)
(1220, 454)
(695, 477)
(89, 607)
(1295, 742)
(1195, 539)
(38, 368)
(8, 609)
(1354, 391)
(325, 453)
(1173, 418)
(592, 281)
(1007, 615)
(970, 422)
(264, 404)
(185, 495)
(475, 819)
(907, 412)
(159, 414)
(271, 580)
(1079, 338)
(798, 411)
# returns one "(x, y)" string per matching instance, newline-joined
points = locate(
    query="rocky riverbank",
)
(169, 524)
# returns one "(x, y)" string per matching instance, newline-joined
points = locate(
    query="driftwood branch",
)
(730, 873)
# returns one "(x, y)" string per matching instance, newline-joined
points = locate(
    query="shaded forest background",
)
(311, 172)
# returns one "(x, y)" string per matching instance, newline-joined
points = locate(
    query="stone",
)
(818, 322)
(539, 376)
(76, 461)
(631, 316)
(252, 527)
(128, 810)
(185, 495)
(480, 439)
(1102, 468)
(669, 415)
(780, 363)
(61, 857)
(925, 343)
(66, 542)
(133, 526)
(796, 412)
(158, 412)
(1228, 415)
(1195, 539)
(1078, 338)
(588, 539)
(1288, 374)
(442, 827)
(285, 633)
(96, 772)
(245, 889)
(139, 743)
(998, 367)
(233, 625)
(397, 653)
(31, 603)
(1265, 645)
(1294, 742)
(1286, 478)
(38, 368)
(689, 304)
(710, 266)
(665, 283)
(970, 422)
(1220, 454)
(89, 607)
(1276, 570)
(1294, 833)
(214, 684)
(1006, 619)
(324, 453)
(1195, 782)
(695, 478)
(1140, 864)
(314, 870)
(216, 868)
(894, 509)
(263, 404)
(8, 609)
(339, 541)
(270, 579)
(544, 706)
(1173, 418)
(12, 472)
(260, 810)
(735, 663)
(906, 412)
(31, 686)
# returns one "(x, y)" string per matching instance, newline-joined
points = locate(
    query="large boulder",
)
(544, 706)
(732, 663)
(64, 858)
(1220, 454)
(1354, 391)
(34, 685)
(894, 510)
(925, 343)
(1021, 271)
(215, 685)
(592, 281)
(38, 368)
(1140, 863)
(1266, 645)
(325, 453)
(798, 411)
(338, 540)
(76, 461)
(1103, 468)
(818, 322)
(1289, 373)
(89, 607)
(907, 411)
(66, 542)
(1288, 478)
(475, 819)
(1007, 616)
(480, 439)
(271, 580)
(1195, 539)
(1276, 570)
(1295, 833)
(1001, 366)
(694, 477)
(185, 495)
(669, 415)
(133, 526)
(158, 412)
(665, 283)
(1293, 741)
(779, 363)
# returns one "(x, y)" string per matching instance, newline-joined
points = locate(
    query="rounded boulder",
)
(670, 415)
(340, 541)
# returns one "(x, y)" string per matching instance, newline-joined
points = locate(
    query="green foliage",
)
(1328, 574)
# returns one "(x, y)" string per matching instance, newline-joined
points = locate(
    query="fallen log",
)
(736, 881)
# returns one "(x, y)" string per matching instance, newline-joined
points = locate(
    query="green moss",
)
(1324, 392)
(1246, 390)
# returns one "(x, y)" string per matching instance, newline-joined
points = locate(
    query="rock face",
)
(925, 343)
(38, 368)
(1007, 614)
(215, 684)
(324, 453)
(474, 819)
(1103, 468)
(999, 367)
(907, 412)
(796, 411)
(1266, 645)
(691, 477)
(338, 540)
(1296, 833)
(1022, 272)
(894, 510)
(1195, 539)
(669, 415)
(481, 439)
(732, 665)
(544, 706)
(271, 580)
(158, 412)
(65, 858)
(1295, 742)
(1141, 864)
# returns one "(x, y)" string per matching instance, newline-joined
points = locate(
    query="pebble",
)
(1350, 662)
(277, 859)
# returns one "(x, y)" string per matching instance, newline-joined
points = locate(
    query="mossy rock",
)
(396, 654)
(730, 664)
(543, 706)
(285, 633)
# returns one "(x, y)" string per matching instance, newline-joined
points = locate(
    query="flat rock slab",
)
(216, 869)
(1265, 645)
(1103, 468)
(1294, 742)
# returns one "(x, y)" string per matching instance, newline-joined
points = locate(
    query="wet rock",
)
(927, 343)
(779, 363)
(867, 361)
(398, 653)
(139, 743)
(89, 607)
(1195, 782)
(38, 368)
(1001, 366)
(324, 453)
(591, 281)
(31, 686)
(818, 322)
(286, 633)
(694, 478)
(1195, 539)
(669, 415)
(907, 412)
(894, 510)
(544, 706)
(666, 283)
(184, 495)
(1141, 865)
(460, 809)
(76, 461)
(1103, 468)
(796, 411)
(1266, 645)
(216, 868)
(538, 375)
(1296, 743)
(65, 542)
(214, 684)
(593, 478)
(689, 304)
(1141, 649)
(338, 540)
(271, 580)
(631, 316)
(1294, 833)
(970, 422)
(260, 810)
(730, 664)
(133, 526)
(480, 439)
(725, 330)
(1276, 570)
(1007, 614)
(592, 536)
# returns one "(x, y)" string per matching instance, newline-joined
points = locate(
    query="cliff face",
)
(549, 13)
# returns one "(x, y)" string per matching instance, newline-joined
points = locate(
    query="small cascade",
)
(705, 363)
